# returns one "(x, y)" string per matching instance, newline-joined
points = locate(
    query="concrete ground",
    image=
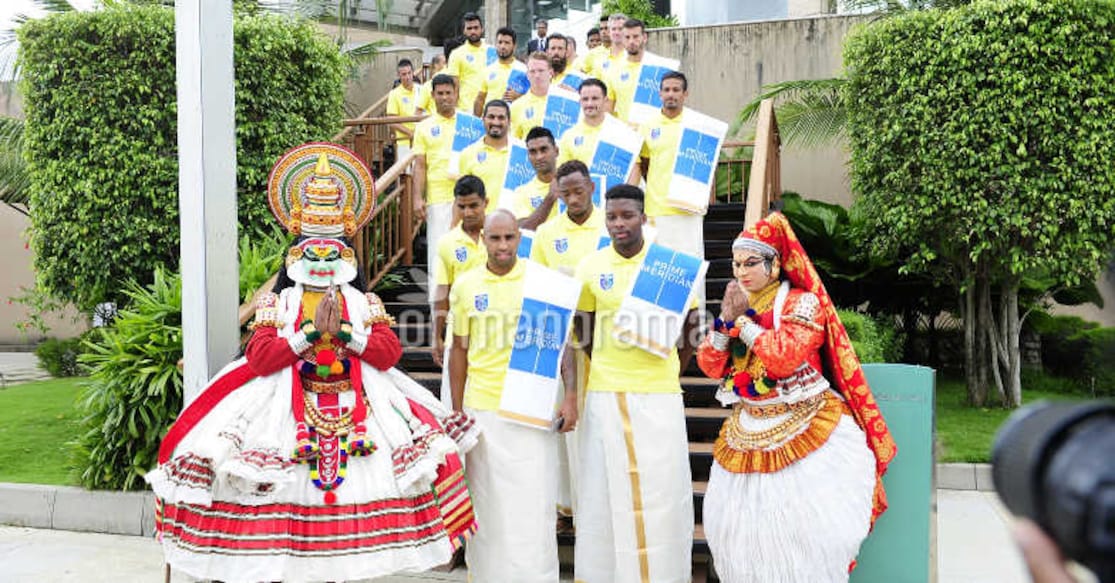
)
(973, 546)
(20, 367)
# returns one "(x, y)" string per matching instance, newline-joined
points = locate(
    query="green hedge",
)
(60, 357)
(875, 340)
(135, 387)
(982, 137)
(99, 93)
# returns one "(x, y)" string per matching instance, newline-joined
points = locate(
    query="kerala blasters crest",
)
(492, 76)
(461, 254)
(481, 302)
(406, 100)
(470, 58)
(435, 131)
(624, 77)
(578, 140)
(607, 280)
(655, 133)
(535, 201)
(481, 156)
(530, 113)
(561, 245)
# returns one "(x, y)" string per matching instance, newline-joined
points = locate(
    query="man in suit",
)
(538, 43)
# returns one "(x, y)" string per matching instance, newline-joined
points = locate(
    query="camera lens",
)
(1053, 463)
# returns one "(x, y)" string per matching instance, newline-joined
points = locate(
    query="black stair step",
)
(726, 211)
(700, 460)
(719, 268)
(416, 360)
(409, 312)
(723, 230)
(699, 489)
(714, 287)
(699, 391)
(718, 248)
(412, 334)
(702, 424)
(409, 291)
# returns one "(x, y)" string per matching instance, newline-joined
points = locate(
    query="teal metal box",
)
(902, 546)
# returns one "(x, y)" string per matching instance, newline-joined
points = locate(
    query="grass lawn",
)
(964, 433)
(37, 422)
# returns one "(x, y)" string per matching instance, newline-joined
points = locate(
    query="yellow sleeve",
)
(393, 103)
(419, 145)
(443, 266)
(543, 238)
(453, 67)
(565, 148)
(587, 303)
(458, 295)
(467, 164)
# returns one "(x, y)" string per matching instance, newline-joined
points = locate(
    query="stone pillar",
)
(495, 16)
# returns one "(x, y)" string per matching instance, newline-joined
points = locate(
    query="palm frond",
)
(383, 9)
(14, 178)
(812, 122)
(364, 52)
(807, 105)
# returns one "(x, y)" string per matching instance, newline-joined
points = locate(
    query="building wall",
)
(727, 65)
(15, 264)
(375, 78)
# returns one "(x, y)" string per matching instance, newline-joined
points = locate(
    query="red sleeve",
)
(785, 349)
(267, 353)
(714, 363)
(383, 349)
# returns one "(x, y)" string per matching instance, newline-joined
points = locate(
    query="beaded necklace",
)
(747, 377)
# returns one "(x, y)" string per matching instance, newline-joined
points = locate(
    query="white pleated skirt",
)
(802, 524)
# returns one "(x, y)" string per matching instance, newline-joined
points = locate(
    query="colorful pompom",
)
(326, 357)
(330, 497)
(322, 370)
(337, 367)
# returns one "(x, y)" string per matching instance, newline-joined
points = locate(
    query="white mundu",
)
(634, 490)
(512, 474)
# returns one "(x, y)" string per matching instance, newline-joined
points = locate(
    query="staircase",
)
(406, 301)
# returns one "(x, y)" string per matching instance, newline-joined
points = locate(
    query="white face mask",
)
(321, 266)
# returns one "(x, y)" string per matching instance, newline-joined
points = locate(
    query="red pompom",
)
(741, 380)
(330, 497)
(326, 357)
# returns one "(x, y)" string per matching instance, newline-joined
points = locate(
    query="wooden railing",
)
(388, 238)
(765, 180)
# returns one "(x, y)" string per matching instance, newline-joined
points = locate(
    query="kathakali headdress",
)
(322, 192)
(775, 235)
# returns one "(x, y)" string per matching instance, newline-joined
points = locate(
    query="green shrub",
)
(135, 387)
(100, 139)
(60, 357)
(875, 340)
(1097, 367)
(1062, 345)
(261, 255)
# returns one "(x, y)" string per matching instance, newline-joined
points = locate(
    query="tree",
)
(811, 112)
(982, 140)
(641, 9)
(100, 135)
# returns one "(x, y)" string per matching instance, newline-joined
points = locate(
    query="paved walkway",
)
(20, 367)
(973, 546)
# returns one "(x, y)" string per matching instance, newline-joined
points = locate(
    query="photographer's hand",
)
(1043, 558)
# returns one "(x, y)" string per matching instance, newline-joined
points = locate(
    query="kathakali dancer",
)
(311, 458)
(797, 479)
